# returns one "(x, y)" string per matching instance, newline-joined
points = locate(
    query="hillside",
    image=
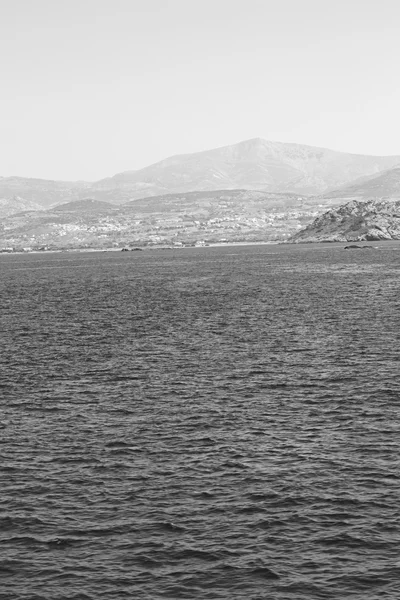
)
(229, 215)
(354, 221)
(386, 184)
(252, 164)
(252, 191)
(255, 164)
(83, 206)
(11, 206)
(42, 191)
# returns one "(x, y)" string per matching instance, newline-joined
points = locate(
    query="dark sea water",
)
(212, 423)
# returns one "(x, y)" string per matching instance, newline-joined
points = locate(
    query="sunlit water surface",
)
(213, 423)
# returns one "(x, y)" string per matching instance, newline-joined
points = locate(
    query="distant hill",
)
(42, 191)
(220, 215)
(255, 164)
(384, 185)
(354, 221)
(255, 190)
(14, 205)
(86, 205)
(252, 164)
(194, 203)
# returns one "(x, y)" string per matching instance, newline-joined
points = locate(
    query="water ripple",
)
(200, 425)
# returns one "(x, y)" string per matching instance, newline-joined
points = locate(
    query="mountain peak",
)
(256, 164)
(253, 164)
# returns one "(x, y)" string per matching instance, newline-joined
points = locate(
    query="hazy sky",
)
(93, 87)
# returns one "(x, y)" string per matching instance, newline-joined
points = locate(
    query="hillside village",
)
(241, 218)
(271, 192)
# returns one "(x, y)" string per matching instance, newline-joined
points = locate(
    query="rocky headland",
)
(355, 221)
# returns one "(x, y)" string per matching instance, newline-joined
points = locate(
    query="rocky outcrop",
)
(356, 247)
(355, 221)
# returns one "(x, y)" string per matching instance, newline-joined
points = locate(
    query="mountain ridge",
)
(254, 164)
(383, 184)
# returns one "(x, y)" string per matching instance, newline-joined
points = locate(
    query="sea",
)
(209, 423)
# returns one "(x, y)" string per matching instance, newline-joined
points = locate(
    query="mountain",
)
(42, 191)
(255, 190)
(355, 221)
(11, 206)
(252, 164)
(386, 184)
(255, 164)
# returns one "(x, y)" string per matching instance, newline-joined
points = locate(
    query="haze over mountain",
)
(385, 184)
(16, 204)
(44, 192)
(254, 164)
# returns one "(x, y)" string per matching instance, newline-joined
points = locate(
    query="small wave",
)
(266, 524)
(195, 553)
(261, 496)
(63, 542)
(95, 532)
(265, 572)
(251, 509)
(205, 494)
(168, 526)
(34, 542)
(116, 444)
(8, 568)
(207, 441)
(234, 465)
(255, 570)
(304, 589)
(363, 582)
(351, 541)
(147, 561)
(10, 522)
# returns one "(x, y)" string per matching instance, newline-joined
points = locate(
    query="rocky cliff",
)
(376, 219)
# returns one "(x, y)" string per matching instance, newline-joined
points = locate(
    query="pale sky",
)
(89, 88)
